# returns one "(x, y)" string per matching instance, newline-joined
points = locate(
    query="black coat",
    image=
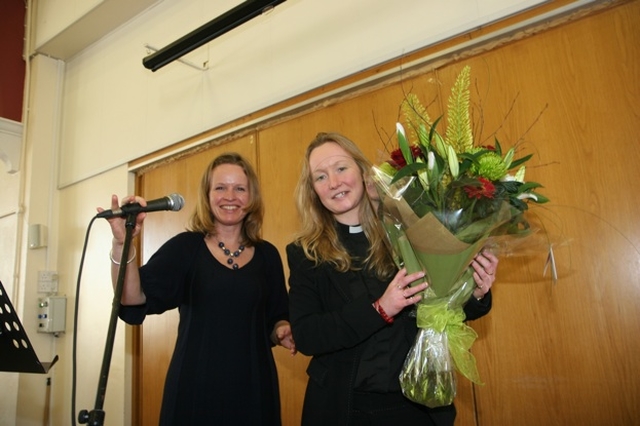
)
(333, 321)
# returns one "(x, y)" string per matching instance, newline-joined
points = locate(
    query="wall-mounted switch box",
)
(47, 281)
(52, 314)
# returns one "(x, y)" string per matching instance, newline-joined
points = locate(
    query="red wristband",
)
(382, 313)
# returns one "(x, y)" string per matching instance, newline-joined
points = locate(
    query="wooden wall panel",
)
(562, 354)
(549, 354)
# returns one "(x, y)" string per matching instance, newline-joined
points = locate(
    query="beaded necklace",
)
(231, 254)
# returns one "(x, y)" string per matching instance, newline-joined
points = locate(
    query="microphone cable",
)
(75, 326)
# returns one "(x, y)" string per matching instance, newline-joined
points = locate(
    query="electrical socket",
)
(47, 282)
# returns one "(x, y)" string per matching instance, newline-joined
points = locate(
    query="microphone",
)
(173, 202)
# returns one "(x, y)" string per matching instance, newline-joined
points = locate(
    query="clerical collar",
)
(355, 229)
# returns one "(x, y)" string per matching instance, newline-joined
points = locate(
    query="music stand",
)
(16, 352)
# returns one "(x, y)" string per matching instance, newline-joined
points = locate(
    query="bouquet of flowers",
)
(442, 197)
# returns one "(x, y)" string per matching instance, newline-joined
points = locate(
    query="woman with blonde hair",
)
(349, 305)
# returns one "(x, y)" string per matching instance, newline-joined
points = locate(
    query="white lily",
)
(526, 195)
(431, 160)
(508, 158)
(452, 158)
(519, 176)
(440, 145)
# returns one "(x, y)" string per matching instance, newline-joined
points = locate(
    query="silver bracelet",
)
(128, 261)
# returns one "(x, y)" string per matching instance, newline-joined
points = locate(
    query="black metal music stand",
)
(16, 352)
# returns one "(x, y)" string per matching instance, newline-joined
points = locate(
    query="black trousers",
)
(377, 409)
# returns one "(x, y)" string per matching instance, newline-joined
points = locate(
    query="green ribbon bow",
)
(459, 335)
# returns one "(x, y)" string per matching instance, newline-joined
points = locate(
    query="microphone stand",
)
(96, 416)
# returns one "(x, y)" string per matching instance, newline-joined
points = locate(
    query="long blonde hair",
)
(202, 219)
(318, 237)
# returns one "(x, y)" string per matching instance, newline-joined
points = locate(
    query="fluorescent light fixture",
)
(226, 22)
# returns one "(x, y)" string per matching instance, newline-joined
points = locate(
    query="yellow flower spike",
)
(459, 133)
(452, 158)
(520, 174)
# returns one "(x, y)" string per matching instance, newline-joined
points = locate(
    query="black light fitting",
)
(229, 20)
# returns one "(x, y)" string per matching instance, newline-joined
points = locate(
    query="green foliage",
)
(451, 177)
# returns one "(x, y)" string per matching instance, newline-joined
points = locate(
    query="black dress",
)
(357, 356)
(222, 371)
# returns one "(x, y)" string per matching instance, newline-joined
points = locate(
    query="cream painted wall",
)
(88, 117)
(116, 110)
(37, 200)
(67, 227)
(94, 303)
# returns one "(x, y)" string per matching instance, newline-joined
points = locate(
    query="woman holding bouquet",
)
(228, 284)
(349, 305)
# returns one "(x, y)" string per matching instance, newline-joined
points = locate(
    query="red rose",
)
(486, 189)
(397, 159)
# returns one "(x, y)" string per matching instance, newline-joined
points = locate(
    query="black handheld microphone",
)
(173, 202)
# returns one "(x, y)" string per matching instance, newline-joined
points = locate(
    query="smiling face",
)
(337, 181)
(228, 194)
